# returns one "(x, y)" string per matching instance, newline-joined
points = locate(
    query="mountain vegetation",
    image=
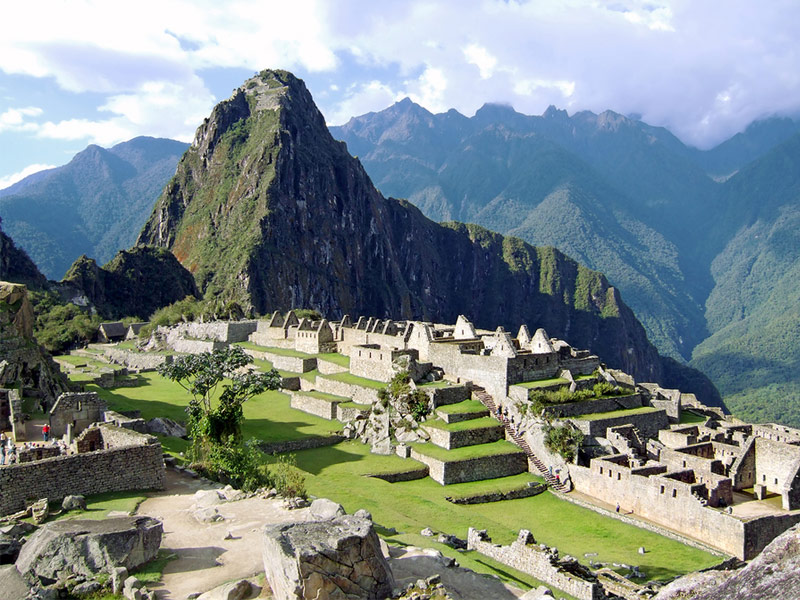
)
(266, 209)
(94, 205)
(700, 243)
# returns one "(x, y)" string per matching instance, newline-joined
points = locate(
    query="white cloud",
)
(15, 118)
(669, 60)
(9, 180)
(480, 57)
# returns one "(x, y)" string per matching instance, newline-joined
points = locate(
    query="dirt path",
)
(206, 559)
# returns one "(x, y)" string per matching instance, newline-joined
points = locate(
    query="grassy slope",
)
(336, 472)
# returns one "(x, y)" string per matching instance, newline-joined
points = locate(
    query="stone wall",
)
(227, 332)
(187, 346)
(600, 405)
(345, 414)
(295, 364)
(136, 360)
(327, 367)
(451, 394)
(302, 444)
(489, 372)
(778, 468)
(375, 362)
(358, 394)
(671, 503)
(779, 433)
(320, 407)
(468, 437)
(122, 467)
(78, 410)
(648, 424)
(473, 469)
(540, 562)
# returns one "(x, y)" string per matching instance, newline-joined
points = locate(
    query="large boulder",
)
(85, 547)
(12, 585)
(323, 509)
(326, 560)
(772, 575)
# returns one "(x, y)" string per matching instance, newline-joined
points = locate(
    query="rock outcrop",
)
(22, 360)
(772, 575)
(16, 265)
(86, 547)
(326, 560)
(267, 209)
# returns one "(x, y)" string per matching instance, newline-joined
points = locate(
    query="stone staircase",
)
(486, 399)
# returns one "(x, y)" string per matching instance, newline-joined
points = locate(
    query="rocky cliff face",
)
(15, 265)
(22, 360)
(136, 282)
(266, 208)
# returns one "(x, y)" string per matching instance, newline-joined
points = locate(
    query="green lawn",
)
(265, 365)
(462, 408)
(335, 472)
(99, 505)
(688, 418)
(276, 351)
(356, 405)
(442, 383)
(467, 452)
(90, 363)
(268, 416)
(480, 423)
(356, 380)
(616, 413)
(335, 358)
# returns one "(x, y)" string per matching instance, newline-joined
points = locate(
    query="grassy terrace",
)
(442, 383)
(268, 416)
(467, 452)
(90, 363)
(616, 413)
(411, 506)
(480, 423)
(462, 408)
(334, 357)
(689, 418)
(554, 381)
(356, 380)
(324, 396)
(265, 365)
(356, 405)
(337, 472)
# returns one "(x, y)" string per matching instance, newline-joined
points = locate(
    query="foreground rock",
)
(12, 585)
(164, 426)
(772, 575)
(327, 560)
(85, 548)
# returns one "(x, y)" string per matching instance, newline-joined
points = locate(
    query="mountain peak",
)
(554, 113)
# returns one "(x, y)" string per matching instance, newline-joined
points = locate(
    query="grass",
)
(467, 452)
(335, 358)
(482, 423)
(688, 418)
(334, 472)
(462, 408)
(544, 382)
(442, 383)
(277, 351)
(265, 365)
(616, 413)
(356, 380)
(98, 506)
(268, 416)
(88, 362)
(356, 405)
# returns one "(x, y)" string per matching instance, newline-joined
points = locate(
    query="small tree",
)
(406, 400)
(220, 421)
(563, 440)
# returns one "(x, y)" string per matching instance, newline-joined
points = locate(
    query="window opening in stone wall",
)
(674, 493)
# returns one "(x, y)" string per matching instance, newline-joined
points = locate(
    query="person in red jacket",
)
(46, 431)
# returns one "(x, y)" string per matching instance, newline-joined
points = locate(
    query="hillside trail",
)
(206, 559)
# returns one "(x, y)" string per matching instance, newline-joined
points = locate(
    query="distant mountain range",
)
(701, 243)
(95, 205)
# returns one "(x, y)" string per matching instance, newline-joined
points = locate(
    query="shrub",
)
(563, 440)
(239, 464)
(287, 479)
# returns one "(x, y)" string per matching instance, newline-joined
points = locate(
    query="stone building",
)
(74, 412)
(111, 332)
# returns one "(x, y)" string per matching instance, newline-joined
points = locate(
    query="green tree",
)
(216, 418)
(563, 440)
(404, 399)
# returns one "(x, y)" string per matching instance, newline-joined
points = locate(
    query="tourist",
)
(46, 432)
(617, 506)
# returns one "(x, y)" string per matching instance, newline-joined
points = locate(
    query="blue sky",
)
(78, 72)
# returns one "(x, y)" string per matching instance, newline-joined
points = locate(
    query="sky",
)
(79, 72)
